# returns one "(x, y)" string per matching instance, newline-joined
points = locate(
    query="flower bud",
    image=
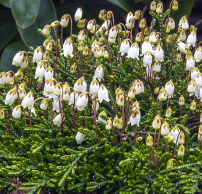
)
(78, 15)
(175, 5)
(90, 25)
(81, 46)
(165, 129)
(181, 150)
(44, 104)
(156, 124)
(99, 73)
(2, 114)
(130, 24)
(153, 6)
(17, 59)
(22, 93)
(95, 104)
(169, 164)
(149, 141)
(115, 121)
(193, 105)
(169, 38)
(81, 24)
(120, 101)
(106, 55)
(46, 55)
(163, 96)
(131, 92)
(147, 59)
(73, 69)
(101, 52)
(171, 139)
(108, 126)
(49, 46)
(103, 113)
(55, 23)
(181, 101)
(109, 15)
(138, 37)
(19, 74)
(153, 38)
(159, 8)
(181, 138)
(179, 58)
(157, 68)
(101, 14)
(182, 35)
(96, 51)
(142, 23)
(168, 112)
(185, 24)
(137, 15)
(58, 89)
(191, 87)
(156, 90)
(136, 105)
(47, 30)
(113, 32)
(168, 28)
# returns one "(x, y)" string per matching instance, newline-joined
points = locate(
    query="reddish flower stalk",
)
(112, 17)
(169, 11)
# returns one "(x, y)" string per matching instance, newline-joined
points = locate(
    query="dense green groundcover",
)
(47, 158)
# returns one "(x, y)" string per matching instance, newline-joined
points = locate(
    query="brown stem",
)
(199, 109)
(187, 116)
(157, 149)
(112, 17)
(124, 29)
(30, 118)
(131, 35)
(181, 115)
(135, 133)
(154, 145)
(169, 11)
(71, 24)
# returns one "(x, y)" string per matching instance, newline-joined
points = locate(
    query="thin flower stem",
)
(181, 115)
(71, 24)
(140, 67)
(187, 117)
(112, 18)
(157, 149)
(154, 145)
(86, 64)
(157, 102)
(56, 48)
(169, 11)
(135, 133)
(148, 152)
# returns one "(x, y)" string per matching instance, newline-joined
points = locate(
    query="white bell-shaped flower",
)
(58, 120)
(44, 104)
(171, 22)
(71, 101)
(182, 36)
(153, 37)
(125, 46)
(158, 53)
(2, 77)
(133, 51)
(79, 137)
(146, 46)
(81, 36)
(28, 100)
(82, 101)
(191, 87)
(10, 97)
(181, 47)
(48, 73)
(165, 129)
(191, 39)
(94, 44)
(48, 87)
(157, 67)
(175, 132)
(198, 54)
(33, 111)
(17, 59)
(129, 16)
(94, 86)
(99, 73)
(68, 48)
(135, 117)
(58, 89)
(57, 105)
(40, 71)
(138, 88)
(147, 60)
(113, 32)
(112, 40)
(169, 87)
(22, 93)
(16, 113)
(103, 94)
(7, 78)
(78, 15)
(46, 30)
(90, 25)
(198, 80)
(190, 62)
(194, 72)
(64, 21)
(66, 93)
(106, 24)
(185, 24)
(78, 85)
(37, 55)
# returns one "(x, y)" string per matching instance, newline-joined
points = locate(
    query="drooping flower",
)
(58, 120)
(79, 137)
(64, 21)
(38, 54)
(158, 53)
(94, 86)
(198, 54)
(16, 113)
(169, 87)
(17, 59)
(103, 94)
(124, 48)
(99, 73)
(191, 39)
(28, 100)
(147, 60)
(78, 15)
(10, 97)
(135, 117)
(194, 72)
(133, 51)
(46, 30)
(156, 124)
(82, 101)
(68, 48)
(71, 101)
